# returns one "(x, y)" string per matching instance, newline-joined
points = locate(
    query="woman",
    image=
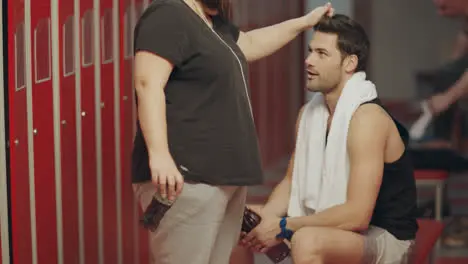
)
(195, 120)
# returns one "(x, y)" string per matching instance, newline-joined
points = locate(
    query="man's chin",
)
(314, 89)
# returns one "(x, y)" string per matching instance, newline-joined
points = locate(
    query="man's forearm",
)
(459, 89)
(344, 217)
(267, 40)
(279, 199)
(152, 117)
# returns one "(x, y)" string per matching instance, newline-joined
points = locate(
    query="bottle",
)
(155, 212)
(277, 253)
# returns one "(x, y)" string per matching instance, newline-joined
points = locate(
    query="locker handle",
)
(83, 114)
(125, 98)
(35, 131)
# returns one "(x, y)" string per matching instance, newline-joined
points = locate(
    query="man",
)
(376, 222)
(453, 8)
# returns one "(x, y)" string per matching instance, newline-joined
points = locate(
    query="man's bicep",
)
(366, 147)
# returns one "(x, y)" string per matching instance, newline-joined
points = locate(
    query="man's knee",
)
(307, 245)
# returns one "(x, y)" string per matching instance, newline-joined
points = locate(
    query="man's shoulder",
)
(370, 116)
(371, 113)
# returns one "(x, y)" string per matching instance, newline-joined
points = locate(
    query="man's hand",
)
(440, 103)
(166, 176)
(314, 16)
(263, 237)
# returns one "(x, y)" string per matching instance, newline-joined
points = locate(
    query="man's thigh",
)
(331, 245)
(189, 229)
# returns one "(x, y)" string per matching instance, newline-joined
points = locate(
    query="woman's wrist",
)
(302, 24)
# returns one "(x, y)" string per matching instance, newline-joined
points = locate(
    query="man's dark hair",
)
(222, 6)
(352, 38)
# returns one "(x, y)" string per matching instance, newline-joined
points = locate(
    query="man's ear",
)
(350, 63)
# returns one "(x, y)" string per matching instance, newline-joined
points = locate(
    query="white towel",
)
(320, 174)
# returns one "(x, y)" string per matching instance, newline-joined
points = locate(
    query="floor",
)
(457, 188)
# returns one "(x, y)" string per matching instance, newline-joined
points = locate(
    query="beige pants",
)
(202, 226)
(381, 247)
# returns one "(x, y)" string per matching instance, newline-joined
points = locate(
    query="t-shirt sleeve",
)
(164, 32)
(235, 31)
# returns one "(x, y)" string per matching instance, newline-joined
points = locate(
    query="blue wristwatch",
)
(285, 233)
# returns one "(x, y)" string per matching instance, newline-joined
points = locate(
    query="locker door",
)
(68, 133)
(126, 130)
(88, 133)
(18, 135)
(107, 104)
(43, 135)
(4, 227)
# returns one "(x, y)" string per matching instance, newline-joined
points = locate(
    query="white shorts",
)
(381, 247)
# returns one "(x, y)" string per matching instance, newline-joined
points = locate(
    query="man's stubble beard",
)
(326, 87)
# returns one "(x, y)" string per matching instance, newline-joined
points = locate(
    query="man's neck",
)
(331, 98)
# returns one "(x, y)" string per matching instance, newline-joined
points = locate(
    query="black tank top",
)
(396, 207)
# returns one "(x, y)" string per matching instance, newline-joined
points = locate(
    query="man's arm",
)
(459, 89)
(442, 101)
(461, 45)
(278, 201)
(366, 147)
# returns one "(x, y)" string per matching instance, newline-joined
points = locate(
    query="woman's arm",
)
(151, 75)
(259, 43)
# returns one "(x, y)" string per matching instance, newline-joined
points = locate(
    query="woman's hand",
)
(165, 175)
(314, 16)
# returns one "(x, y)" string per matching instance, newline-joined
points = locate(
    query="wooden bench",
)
(427, 236)
(436, 179)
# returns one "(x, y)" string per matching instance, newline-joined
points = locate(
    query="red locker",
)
(107, 104)
(68, 132)
(126, 130)
(43, 135)
(18, 138)
(88, 131)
